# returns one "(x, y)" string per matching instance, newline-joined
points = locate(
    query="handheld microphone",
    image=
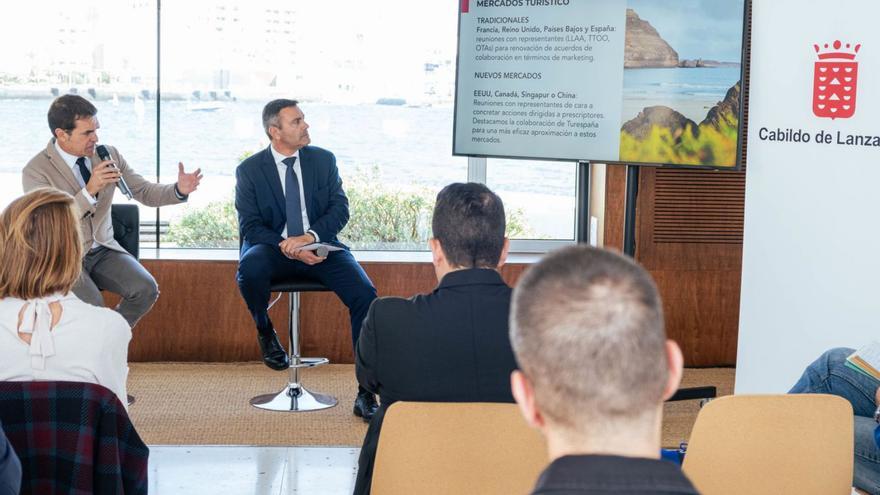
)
(321, 251)
(103, 154)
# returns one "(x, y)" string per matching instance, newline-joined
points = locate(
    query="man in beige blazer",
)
(70, 163)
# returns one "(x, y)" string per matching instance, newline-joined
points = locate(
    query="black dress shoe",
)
(365, 406)
(274, 355)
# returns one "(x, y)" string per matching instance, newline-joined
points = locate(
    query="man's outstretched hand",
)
(187, 183)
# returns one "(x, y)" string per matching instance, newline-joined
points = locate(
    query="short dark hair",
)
(586, 326)
(66, 110)
(469, 223)
(271, 111)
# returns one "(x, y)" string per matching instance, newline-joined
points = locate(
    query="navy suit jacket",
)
(259, 198)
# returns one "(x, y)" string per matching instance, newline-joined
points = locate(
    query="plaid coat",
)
(72, 438)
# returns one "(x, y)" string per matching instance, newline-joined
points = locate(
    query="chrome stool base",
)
(294, 400)
(295, 397)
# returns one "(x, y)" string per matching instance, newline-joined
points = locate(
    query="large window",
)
(103, 50)
(376, 85)
(540, 197)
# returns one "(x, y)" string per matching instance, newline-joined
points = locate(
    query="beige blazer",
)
(48, 169)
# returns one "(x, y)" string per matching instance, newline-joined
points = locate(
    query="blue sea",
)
(408, 145)
(689, 91)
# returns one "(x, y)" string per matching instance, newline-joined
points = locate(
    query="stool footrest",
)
(306, 362)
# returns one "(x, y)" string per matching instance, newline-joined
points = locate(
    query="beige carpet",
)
(207, 404)
(679, 417)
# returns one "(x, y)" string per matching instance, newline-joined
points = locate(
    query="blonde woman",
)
(47, 333)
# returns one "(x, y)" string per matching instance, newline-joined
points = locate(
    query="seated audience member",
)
(451, 345)
(830, 375)
(46, 332)
(10, 468)
(595, 367)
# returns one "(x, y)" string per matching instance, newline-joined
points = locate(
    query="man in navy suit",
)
(288, 196)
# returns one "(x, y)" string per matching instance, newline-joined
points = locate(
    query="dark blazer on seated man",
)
(451, 345)
(287, 196)
(261, 202)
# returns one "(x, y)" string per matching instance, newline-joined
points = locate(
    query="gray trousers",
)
(120, 273)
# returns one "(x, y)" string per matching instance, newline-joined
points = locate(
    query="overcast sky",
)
(708, 29)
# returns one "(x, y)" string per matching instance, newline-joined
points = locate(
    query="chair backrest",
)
(772, 444)
(72, 437)
(126, 226)
(440, 448)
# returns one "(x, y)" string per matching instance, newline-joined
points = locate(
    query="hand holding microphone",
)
(102, 173)
(104, 155)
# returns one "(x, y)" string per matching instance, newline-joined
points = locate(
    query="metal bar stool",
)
(295, 397)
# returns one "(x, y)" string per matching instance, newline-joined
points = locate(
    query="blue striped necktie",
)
(293, 208)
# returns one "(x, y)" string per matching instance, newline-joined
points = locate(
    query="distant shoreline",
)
(682, 65)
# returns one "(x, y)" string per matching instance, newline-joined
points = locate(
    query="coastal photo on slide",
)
(681, 82)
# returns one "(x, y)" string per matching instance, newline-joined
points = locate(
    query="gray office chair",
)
(126, 227)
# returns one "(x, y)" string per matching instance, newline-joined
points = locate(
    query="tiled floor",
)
(234, 470)
(241, 470)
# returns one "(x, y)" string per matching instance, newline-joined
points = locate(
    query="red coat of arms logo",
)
(835, 79)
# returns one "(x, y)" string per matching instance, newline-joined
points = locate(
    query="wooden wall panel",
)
(200, 315)
(689, 236)
(701, 310)
(696, 227)
(697, 207)
(615, 203)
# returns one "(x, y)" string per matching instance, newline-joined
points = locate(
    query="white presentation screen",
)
(632, 81)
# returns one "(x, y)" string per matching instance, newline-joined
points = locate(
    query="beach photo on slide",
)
(681, 82)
